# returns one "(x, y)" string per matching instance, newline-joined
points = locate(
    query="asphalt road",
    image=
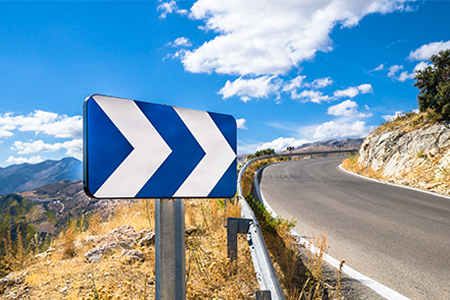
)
(396, 236)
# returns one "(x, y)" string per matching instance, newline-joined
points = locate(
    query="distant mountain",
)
(26, 177)
(328, 145)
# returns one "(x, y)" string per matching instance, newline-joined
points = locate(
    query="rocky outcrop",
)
(123, 237)
(420, 158)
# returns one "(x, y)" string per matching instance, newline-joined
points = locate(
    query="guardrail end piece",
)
(243, 225)
(235, 226)
(263, 295)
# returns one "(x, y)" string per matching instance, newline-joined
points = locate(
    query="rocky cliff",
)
(419, 158)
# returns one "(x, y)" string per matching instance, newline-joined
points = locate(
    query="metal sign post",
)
(170, 249)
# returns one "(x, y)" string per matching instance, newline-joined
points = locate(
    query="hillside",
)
(328, 145)
(26, 177)
(57, 202)
(410, 151)
(43, 213)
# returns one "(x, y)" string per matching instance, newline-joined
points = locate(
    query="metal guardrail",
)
(265, 272)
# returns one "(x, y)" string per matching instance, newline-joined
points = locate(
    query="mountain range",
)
(26, 177)
(328, 145)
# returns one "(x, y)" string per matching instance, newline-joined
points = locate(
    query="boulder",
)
(124, 232)
(122, 237)
(133, 255)
(148, 239)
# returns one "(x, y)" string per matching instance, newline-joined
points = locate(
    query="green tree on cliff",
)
(434, 85)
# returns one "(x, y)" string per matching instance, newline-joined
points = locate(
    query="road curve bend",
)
(396, 236)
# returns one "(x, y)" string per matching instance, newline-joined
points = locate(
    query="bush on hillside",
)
(260, 153)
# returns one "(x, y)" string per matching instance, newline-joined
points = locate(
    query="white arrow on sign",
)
(150, 149)
(218, 154)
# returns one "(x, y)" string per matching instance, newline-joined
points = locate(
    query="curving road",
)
(396, 236)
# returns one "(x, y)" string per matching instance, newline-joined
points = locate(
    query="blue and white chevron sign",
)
(135, 149)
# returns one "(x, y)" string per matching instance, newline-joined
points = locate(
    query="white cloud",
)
(426, 51)
(379, 68)
(394, 116)
(350, 92)
(394, 69)
(5, 130)
(311, 96)
(334, 129)
(267, 37)
(181, 42)
(249, 88)
(298, 88)
(281, 143)
(241, 124)
(365, 88)
(34, 146)
(49, 123)
(294, 84)
(321, 82)
(170, 7)
(22, 160)
(298, 82)
(405, 76)
(73, 147)
(347, 109)
(421, 66)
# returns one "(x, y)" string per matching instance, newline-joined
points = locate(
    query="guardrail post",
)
(263, 295)
(235, 226)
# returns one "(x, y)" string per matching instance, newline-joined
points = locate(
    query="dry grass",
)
(16, 256)
(209, 273)
(408, 122)
(65, 274)
(315, 265)
(352, 164)
(428, 174)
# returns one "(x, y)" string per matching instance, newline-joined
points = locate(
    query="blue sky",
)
(290, 72)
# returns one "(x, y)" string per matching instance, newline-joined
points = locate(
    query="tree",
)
(434, 85)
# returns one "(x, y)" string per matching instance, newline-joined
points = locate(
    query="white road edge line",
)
(379, 288)
(394, 184)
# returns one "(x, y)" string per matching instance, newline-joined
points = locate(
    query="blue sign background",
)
(105, 148)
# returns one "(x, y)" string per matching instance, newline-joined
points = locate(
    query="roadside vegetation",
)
(300, 271)
(351, 164)
(63, 272)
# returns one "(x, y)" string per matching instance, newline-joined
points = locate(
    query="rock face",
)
(419, 158)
